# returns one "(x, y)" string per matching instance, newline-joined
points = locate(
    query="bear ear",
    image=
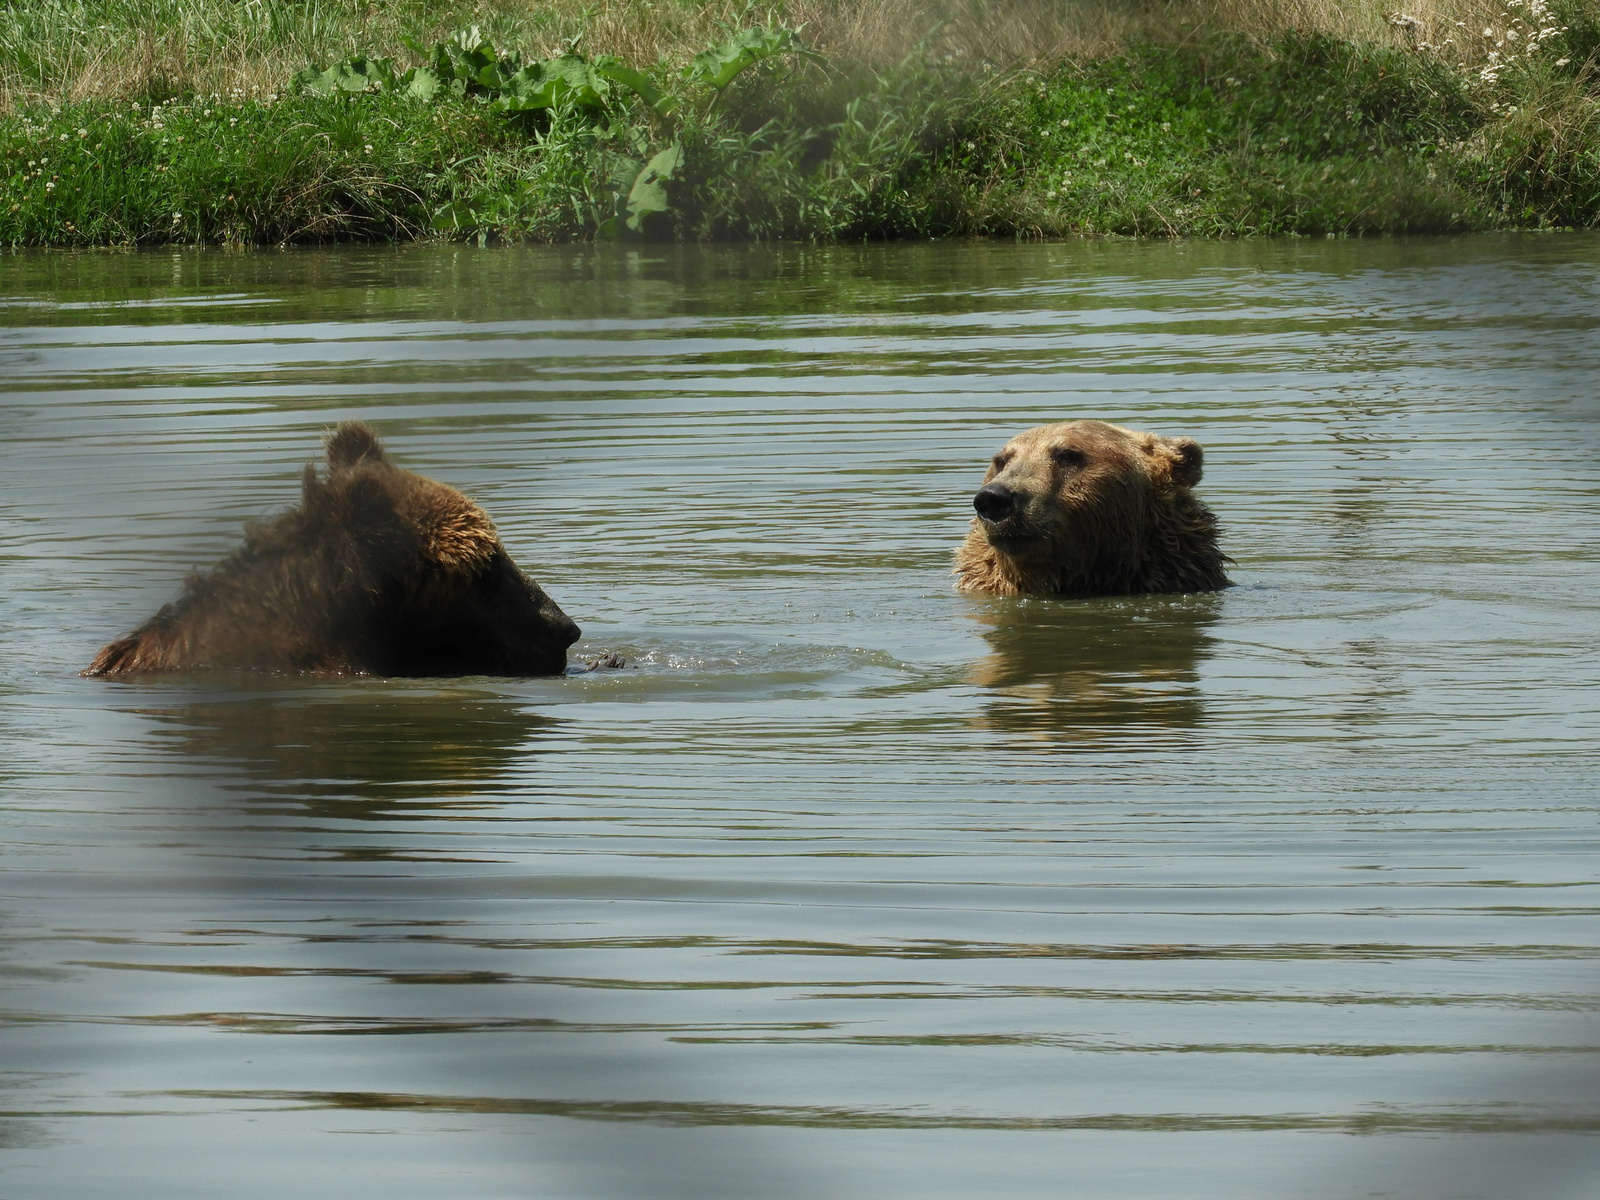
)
(457, 535)
(1185, 459)
(353, 442)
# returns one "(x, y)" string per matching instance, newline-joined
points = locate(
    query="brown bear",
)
(1086, 508)
(377, 572)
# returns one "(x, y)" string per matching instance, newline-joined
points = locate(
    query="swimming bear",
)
(377, 571)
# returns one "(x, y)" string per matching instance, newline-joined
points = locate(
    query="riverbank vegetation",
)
(268, 121)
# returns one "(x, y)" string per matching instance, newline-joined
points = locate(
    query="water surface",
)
(849, 885)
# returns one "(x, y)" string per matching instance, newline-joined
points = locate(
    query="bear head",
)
(1090, 508)
(416, 574)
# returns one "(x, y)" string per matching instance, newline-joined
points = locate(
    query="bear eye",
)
(1066, 456)
(1001, 459)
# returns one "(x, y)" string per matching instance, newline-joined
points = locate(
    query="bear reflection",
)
(1093, 673)
(358, 756)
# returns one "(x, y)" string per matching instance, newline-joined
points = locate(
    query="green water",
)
(850, 886)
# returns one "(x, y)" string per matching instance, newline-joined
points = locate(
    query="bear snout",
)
(550, 629)
(554, 625)
(567, 630)
(995, 502)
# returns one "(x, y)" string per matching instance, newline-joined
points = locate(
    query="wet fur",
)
(1101, 510)
(378, 571)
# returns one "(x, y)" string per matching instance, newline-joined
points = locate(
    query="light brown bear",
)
(377, 572)
(1090, 509)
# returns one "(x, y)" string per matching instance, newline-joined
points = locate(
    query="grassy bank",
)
(1003, 119)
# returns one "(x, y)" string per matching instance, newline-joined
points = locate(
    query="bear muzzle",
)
(995, 503)
(566, 629)
(553, 628)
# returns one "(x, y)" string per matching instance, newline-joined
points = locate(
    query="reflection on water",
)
(1467, 1119)
(1071, 673)
(349, 753)
(850, 885)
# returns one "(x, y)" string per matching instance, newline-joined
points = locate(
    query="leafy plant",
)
(717, 67)
(468, 66)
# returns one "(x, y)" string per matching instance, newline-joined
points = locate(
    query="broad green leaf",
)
(579, 83)
(423, 84)
(611, 67)
(364, 74)
(352, 75)
(649, 191)
(310, 80)
(624, 171)
(470, 41)
(718, 66)
(466, 56)
(467, 64)
(564, 80)
(494, 76)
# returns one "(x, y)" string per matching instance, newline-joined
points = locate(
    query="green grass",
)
(1318, 136)
(298, 169)
(1224, 135)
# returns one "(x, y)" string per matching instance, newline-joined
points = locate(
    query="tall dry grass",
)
(65, 50)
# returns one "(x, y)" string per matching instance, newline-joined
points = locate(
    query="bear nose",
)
(562, 627)
(995, 502)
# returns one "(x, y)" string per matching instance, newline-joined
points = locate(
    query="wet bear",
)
(1090, 509)
(377, 572)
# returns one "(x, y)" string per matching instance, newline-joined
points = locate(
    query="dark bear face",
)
(428, 587)
(1079, 492)
(495, 621)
